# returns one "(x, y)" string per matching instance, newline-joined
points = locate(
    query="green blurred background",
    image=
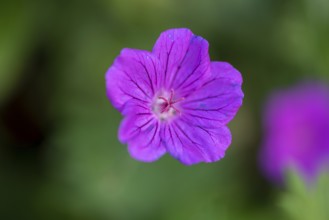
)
(59, 153)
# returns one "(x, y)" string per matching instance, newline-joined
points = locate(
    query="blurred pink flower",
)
(296, 132)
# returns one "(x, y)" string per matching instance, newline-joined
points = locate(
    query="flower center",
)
(165, 105)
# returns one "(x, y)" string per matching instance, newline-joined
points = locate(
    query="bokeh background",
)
(59, 153)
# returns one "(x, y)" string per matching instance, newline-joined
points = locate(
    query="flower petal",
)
(184, 59)
(148, 146)
(296, 125)
(142, 133)
(219, 99)
(136, 121)
(191, 143)
(133, 76)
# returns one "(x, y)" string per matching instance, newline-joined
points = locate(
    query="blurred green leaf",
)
(17, 22)
(303, 201)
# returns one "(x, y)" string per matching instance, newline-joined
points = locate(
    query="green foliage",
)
(17, 25)
(303, 201)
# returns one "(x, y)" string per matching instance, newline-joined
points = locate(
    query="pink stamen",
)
(165, 108)
(170, 103)
(171, 94)
(164, 99)
(178, 100)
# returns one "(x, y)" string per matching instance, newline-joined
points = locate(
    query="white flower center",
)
(165, 106)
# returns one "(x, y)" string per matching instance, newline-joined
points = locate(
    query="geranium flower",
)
(296, 126)
(174, 99)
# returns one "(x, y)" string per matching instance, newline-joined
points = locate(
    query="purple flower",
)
(174, 99)
(296, 127)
